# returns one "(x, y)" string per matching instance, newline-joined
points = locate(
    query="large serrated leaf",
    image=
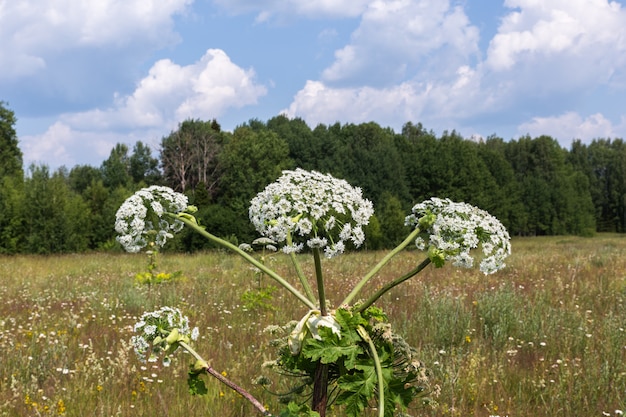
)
(330, 349)
(357, 389)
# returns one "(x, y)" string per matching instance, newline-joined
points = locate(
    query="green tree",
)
(82, 176)
(57, 219)
(503, 199)
(189, 155)
(391, 216)
(11, 184)
(250, 160)
(603, 162)
(143, 167)
(10, 153)
(116, 169)
(548, 188)
(12, 214)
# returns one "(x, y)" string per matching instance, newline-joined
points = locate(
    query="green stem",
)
(379, 370)
(410, 238)
(390, 285)
(320, 280)
(250, 259)
(211, 371)
(305, 283)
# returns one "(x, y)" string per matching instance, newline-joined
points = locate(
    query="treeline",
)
(533, 185)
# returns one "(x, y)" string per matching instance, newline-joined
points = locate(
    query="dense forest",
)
(533, 185)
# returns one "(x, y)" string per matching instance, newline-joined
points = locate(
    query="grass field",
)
(544, 337)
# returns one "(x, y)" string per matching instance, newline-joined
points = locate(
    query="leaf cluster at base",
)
(352, 375)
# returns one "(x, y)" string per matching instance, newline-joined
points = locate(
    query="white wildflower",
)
(451, 230)
(136, 217)
(153, 329)
(312, 208)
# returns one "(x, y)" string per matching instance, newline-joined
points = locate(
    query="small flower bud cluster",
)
(159, 331)
(140, 220)
(453, 229)
(309, 207)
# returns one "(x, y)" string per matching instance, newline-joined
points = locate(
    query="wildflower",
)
(313, 208)
(160, 331)
(140, 219)
(452, 229)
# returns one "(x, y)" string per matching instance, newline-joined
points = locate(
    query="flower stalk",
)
(194, 225)
(358, 287)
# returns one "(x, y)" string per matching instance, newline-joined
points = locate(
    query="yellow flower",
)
(60, 407)
(468, 339)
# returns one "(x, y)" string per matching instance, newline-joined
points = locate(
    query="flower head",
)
(452, 229)
(313, 208)
(140, 219)
(160, 331)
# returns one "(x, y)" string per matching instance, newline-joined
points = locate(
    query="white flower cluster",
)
(159, 331)
(312, 208)
(453, 229)
(139, 220)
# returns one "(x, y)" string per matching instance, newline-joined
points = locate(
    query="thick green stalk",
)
(250, 259)
(305, 283)
(379, 370)
(320, 280)
(410, 238)
(320, 383)
(390, 285)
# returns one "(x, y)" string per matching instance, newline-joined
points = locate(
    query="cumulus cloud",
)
(169, 94)
(305, 8)
(423, 61)
(571, 125)
(65, 54)
(406, 59)
(31, 31)
(392, 106)
(402, 39)
(565, 42)
(172, 93)
(60, 145)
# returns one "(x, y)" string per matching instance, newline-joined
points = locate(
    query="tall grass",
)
(544, 337)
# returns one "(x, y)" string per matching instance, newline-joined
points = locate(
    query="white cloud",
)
(571, 125)
(442, 103)
(400, 39)
(408, 60)
(305, 8)
(171, 93)
(34, 31)
(62, 145)
(580, 40)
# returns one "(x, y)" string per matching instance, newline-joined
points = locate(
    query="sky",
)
(82, 76)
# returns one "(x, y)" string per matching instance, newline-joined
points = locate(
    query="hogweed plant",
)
(348, 355)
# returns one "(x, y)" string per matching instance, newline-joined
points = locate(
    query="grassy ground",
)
(544, 337)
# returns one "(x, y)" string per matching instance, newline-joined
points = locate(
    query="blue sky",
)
(82, 76)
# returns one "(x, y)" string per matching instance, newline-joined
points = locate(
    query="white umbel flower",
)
(313, 209)
(452, 230)
(140, 220)
(153, 329)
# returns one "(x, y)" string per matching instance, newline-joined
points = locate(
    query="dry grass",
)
(544, 337)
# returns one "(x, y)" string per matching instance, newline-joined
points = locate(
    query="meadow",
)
(544, 337)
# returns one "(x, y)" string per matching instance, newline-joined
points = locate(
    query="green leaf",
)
(330, 349)
(196, 384)
(357, 389)
(437, 256)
